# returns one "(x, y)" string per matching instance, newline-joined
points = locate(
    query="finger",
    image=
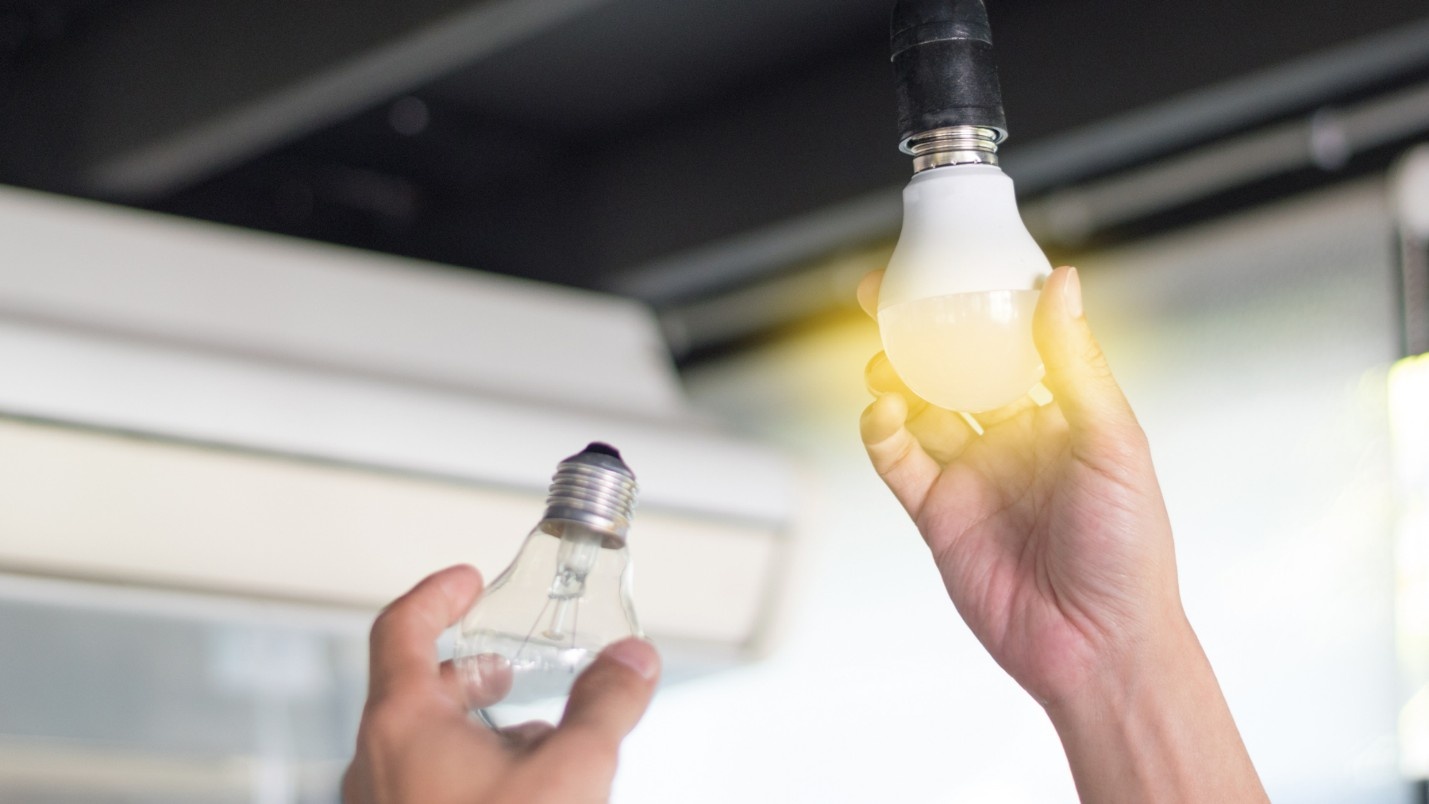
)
(943, 433)
(482, 680)
(1012, 410)
(896, 454)
(403, 645)
(452, 680)
(609, 698)
(868, 292)
(1041, 395)
(478, 681)
(527, 736)
(881, 378)
(1077, 370)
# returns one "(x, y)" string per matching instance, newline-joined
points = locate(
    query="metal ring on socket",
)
(955, 145)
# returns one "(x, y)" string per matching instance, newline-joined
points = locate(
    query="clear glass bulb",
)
(564, 597)
(955, 309)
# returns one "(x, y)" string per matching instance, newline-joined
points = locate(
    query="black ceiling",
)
(587, 141)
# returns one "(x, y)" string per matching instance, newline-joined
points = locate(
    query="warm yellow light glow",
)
(1408, 403)
(969, 352)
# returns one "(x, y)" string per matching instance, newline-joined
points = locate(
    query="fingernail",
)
(1072, 293)
(638, 655)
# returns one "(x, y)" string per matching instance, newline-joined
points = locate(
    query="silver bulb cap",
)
(595, 488)
(955, 145)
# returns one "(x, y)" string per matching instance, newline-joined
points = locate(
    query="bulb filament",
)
(577, 557)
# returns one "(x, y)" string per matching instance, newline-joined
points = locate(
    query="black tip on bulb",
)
(601, 454)
(602, 448)
(943, 65)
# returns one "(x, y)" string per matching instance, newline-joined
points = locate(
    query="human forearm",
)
(1156, 727)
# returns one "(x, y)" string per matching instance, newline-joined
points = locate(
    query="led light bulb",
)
(564, 598)
(955, 309)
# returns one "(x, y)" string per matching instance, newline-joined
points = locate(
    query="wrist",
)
(1125, 677)
(1152, 725)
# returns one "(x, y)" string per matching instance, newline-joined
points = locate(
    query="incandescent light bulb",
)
(955, 308)
(564, 598)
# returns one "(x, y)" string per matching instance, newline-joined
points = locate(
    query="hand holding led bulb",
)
(1048, 526)
(1054, 544)
(1046, 521)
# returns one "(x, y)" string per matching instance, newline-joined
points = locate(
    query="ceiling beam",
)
(168, 92)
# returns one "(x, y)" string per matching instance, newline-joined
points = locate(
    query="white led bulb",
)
(955, 310)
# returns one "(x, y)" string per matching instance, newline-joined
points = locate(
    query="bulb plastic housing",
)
(955, 308)
(563, 599)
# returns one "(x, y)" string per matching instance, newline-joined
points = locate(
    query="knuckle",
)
(1122, 454)
(383, 621)
(396, 616)
(899, 455)
(1095, 359)
(1127, 440)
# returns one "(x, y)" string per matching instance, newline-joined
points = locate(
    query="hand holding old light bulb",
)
(1054, 544)
(418, 744)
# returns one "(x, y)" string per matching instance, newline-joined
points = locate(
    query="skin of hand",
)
(1053, 541)
(417, 744)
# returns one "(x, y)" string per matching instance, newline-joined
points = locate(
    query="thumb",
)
(611, 695)
(1077, 370)
(577, 760)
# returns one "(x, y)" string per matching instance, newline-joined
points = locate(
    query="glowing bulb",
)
(955, 310)
(956, 306)
(564, 597)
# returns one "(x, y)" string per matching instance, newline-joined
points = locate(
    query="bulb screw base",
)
(953, 145)
(595, 488)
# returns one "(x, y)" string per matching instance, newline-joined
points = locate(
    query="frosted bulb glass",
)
(955, 309)
(964, 351)
(564, 598)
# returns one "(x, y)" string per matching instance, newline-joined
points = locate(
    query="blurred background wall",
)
(674, 201)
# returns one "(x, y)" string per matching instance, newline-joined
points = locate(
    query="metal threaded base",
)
(594, 491)
(956, 145)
